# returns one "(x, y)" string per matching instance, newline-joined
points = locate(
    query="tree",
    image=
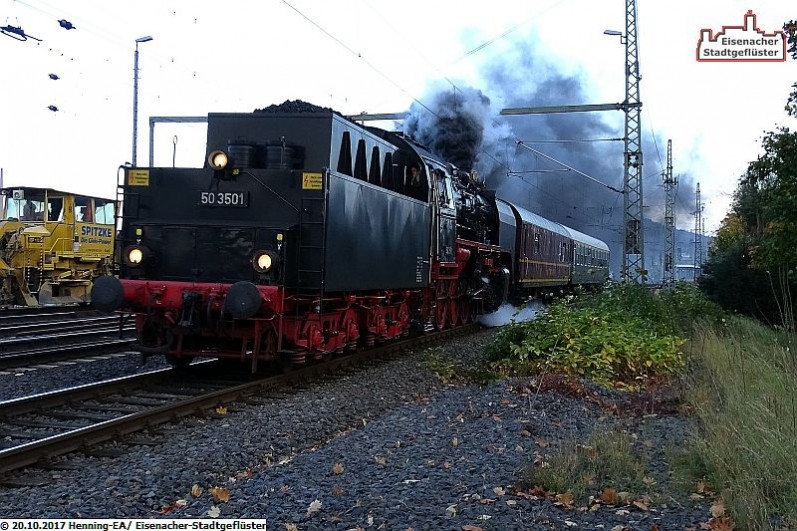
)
(752, 265)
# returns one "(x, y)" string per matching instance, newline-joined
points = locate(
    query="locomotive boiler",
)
(306, 234)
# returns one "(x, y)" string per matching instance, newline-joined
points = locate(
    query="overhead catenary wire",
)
(520, 143)
(380, 73)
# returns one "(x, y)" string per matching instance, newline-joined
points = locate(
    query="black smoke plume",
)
(463, 125)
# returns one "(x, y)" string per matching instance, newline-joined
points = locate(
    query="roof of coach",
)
(580, 237)
(533, 219)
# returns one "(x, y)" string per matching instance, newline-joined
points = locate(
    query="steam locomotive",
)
(306, 234)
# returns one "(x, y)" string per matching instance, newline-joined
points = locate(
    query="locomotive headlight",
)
(217, 160)
(264, 261)
(134, 255)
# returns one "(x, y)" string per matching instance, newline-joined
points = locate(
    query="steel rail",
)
(30, 453)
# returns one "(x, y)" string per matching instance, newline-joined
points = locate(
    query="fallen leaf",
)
(640, 505)
(718, 509)
(291, 527)
(180, 503)
(542, 443)
(166, 509)
(285, 489)
(337, 491)
(446, 465)
(497, 419)
(499, 491)
(570, 523)
(483, 517)
(511, 503)
(196, 491)
(538, 491)
(214, 511)
(621, 512)
(380, 460)
(721, 524)
(314, 507)
(452, 510)
(220, 494)
(565, 498)
(486, 501)
(337, 468)
(221, 410)
(471, 528)
(454, 442)
(648, 481)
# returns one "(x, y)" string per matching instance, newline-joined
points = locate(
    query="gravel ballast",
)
(387, 446)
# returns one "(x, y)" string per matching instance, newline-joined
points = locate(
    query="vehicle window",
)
(83, 209)
(103, 211)
(31, 209)
(55, 208)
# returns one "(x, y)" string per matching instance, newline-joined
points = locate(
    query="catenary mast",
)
(633, 269)
(670, 186)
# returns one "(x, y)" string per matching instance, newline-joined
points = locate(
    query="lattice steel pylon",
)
(670, 186)
(633, 269)
(698, 258)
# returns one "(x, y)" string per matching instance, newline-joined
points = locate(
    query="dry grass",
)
(744, 390)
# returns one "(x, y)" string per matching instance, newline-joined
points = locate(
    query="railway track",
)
(40, 335)
(43, 426)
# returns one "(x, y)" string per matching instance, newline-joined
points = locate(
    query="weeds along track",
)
(40, 427)
(39, 335)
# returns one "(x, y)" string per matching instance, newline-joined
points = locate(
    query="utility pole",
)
(135, 97)
(633, 259)
(670, 186)
(698, 258)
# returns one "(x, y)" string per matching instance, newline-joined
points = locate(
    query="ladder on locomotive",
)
(311, 251)
(119, 217)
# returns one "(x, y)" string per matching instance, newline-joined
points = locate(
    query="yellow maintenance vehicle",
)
(52, 245)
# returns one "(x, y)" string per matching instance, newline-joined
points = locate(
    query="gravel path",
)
(409, 452)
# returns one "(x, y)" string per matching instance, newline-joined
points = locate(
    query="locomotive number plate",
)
(224, 199)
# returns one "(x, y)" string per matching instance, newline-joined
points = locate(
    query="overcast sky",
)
(365, 56)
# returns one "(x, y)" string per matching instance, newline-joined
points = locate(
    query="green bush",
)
(626, 333)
